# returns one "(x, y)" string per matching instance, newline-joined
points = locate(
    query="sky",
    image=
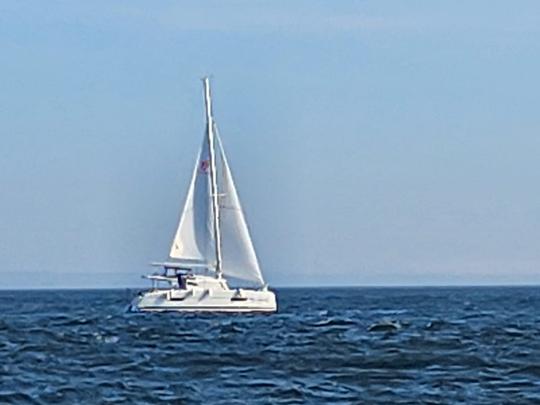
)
(372, 142)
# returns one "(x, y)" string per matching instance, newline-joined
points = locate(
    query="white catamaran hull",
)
(173, 300)
(203, 294)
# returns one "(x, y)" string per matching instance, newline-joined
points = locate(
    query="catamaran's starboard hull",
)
(202, 309)
(173, 300)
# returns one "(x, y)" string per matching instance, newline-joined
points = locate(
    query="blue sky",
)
(373, 143)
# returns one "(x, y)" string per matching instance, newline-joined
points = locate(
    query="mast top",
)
(207, 98)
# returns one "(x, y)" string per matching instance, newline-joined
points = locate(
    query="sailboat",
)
(212, 264)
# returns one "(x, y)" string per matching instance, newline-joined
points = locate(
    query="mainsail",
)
(195, 238)
(193, 241)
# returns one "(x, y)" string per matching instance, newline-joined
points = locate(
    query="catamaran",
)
(212, 264)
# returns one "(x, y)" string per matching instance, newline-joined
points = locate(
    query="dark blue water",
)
(431, 345)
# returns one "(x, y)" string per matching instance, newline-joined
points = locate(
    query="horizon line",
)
(342, 287)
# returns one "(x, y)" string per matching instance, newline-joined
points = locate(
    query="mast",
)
(213, 177)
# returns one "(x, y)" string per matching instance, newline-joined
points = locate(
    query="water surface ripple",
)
(357, 345)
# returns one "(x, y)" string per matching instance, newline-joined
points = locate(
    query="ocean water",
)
(350, 345)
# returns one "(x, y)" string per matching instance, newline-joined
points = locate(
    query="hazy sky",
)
(373, 142)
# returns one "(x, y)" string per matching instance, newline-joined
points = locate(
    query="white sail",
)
(207, 217)
(239, 260)
(194, 239)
